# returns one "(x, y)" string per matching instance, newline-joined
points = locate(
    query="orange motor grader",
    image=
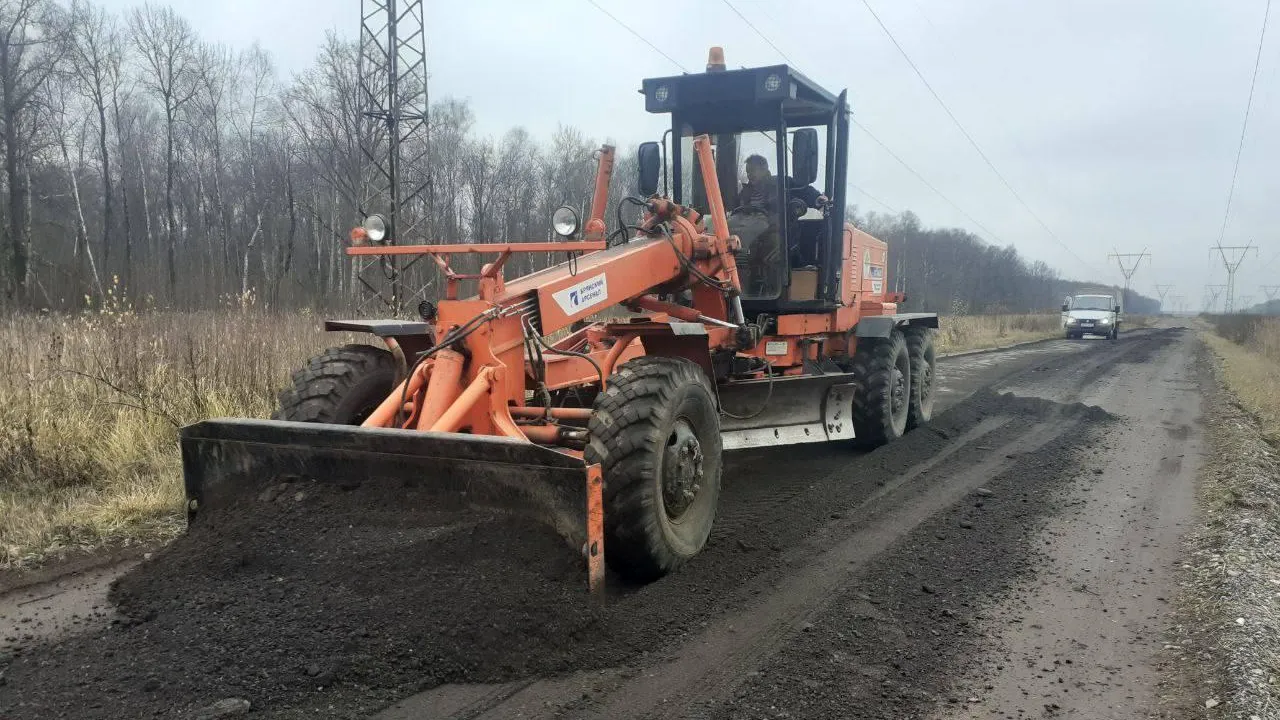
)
(748, 326)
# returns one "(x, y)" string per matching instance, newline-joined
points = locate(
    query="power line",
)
(969, 137)
(640, 37)
(886, 205)
(757, 31)
(878, 141)
(1235, 171)
(927, 184)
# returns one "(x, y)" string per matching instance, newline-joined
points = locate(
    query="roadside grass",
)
(88, 423)
(1250, 358)
(960, 333)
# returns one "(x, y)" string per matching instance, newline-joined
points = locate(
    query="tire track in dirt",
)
(711, 665)
(1106, 505)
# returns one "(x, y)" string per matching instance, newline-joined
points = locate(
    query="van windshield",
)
(1091, 302)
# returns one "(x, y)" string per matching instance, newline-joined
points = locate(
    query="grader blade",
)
(786, 411)
(229, 461)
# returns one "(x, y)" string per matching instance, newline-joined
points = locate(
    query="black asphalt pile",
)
(321, 601)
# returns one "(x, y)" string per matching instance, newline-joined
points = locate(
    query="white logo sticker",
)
(588, 293)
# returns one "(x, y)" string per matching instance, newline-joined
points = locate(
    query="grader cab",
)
(756, 316)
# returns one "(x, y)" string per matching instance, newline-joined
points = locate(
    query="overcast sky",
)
(1116, 122)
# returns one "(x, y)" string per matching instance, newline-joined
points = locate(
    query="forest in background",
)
(146, 167)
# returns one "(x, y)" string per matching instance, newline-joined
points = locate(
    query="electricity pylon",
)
(1128, 263)
(1232, 258)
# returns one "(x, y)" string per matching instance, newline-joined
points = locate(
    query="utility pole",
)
(1232, 258)
(1271, 291)
(1163, 290)
(1246, 301)
(1179, 302)
(1214, 292)
(1128, 263)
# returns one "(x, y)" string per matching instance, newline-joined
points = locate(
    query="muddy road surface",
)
(1017, 558)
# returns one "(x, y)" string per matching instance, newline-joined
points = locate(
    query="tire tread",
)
(624, 431)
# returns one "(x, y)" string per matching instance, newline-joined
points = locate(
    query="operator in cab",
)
(760, 194)
(761, 190)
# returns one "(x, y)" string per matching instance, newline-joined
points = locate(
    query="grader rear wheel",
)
(883, 398)
(655, 431)
(342, 386)
(923, 358)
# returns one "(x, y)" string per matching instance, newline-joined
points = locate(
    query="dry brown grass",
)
(1251, 369)
(88, 451)
(958, 333)
(88, 454)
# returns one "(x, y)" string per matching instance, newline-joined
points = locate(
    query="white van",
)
(1091, 315)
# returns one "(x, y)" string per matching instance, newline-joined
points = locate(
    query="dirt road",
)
(1016, 559)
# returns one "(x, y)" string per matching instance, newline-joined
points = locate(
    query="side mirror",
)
(1117, 308)
(804, 148)
(1065, 307)
(650, 168)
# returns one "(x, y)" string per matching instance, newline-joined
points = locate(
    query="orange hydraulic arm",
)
(490, 349)
(474, 383)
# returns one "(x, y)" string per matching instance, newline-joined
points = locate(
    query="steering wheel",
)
(748, 210)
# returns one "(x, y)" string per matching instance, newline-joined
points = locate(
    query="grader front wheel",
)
(342, 386)
(655, 431)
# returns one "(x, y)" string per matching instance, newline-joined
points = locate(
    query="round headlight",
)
(772, 83)
(376, 227)
(564, 221)
(661, 94)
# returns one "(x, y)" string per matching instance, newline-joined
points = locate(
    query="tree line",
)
(954, 271)
(144, 165)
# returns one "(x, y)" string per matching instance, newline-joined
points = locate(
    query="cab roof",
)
(738, 100)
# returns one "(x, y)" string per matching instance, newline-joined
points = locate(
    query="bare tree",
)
(95, 56)
(259, 110)
(31, 32)
(69, 123)
(167, 46)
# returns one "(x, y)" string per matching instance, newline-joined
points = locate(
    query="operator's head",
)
(757, 168)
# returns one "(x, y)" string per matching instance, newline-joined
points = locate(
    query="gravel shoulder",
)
(1229, 619)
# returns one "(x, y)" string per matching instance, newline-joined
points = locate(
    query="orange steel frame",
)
(479, 384)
